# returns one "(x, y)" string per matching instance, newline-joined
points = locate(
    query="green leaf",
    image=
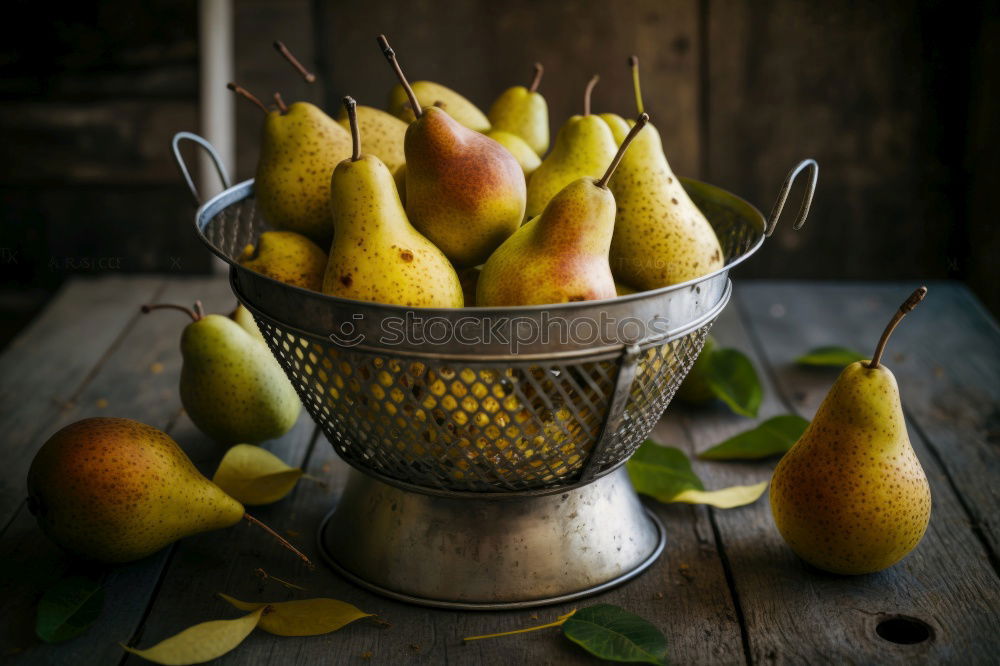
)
(732, 378)
(773, 436)
(662, 472)
(254, 476)
(665, 473)
(68, 608)
(830, 356)
(202, 642)
(305, 617)
(613, 634)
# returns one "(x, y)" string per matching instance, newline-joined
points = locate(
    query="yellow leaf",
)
(306, 617)
(202, 642)
(725, 498)
(254, 476)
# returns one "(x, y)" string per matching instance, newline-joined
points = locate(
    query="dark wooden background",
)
(897, 101)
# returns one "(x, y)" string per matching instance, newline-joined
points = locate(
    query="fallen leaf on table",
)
(773, 436)
(727, 498)
(202, 642)
(733, 379)
(255, 476)
(305, 617)
(556, 623)
(68, 608)
(830, 356)
(614, 634)
(664, 473)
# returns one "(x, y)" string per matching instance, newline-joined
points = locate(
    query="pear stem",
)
(199, 309)
(280, 102)
(903, 310)
(282, 540)
(246, 94)
(352, 114)
(539, 70)
(195, 314)
(640, 122)
(633, 63)
(587, 92)
(390, 55)
(299, 67)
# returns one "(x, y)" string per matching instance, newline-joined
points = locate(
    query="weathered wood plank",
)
(945, 358)
(138, 380)
(794, 613)
(51, 361)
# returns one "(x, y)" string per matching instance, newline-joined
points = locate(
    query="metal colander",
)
(526, 400)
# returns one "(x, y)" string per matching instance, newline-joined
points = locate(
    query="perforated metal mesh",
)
(475, 426)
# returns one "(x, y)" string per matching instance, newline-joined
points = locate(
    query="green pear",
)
(116, 490)
(524, 113)
(233, 390)
(288, 257)
(383, 135)
(515, 145)
(428, 93)
(583, 148)
(560, 256)
(661, 238)
(464, 191)
(376, 253)
(244, 318)
(850, 495)
(299, 147)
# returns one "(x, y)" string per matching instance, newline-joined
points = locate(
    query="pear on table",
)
(584, 146)
(117, 490)
(428, 93)
(287, 257)
(850, 496)
(376, 253)
(523, 112)
(233, 390)
(464, 191)
(560, 256)
(661, 237)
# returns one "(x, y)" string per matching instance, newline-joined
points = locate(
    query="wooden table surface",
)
(726, 589)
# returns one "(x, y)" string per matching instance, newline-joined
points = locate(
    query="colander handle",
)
(786, 187)
(182, 165)
(616, 410)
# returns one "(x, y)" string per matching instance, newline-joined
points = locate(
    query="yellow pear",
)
(524, 113)
(560, 256)
(516, 146)
(117, 490)
(583, 148)
(429, 93)
(383, 135)
(661, 238)
(850, 496)
(299, 147)
(287, 257)
(244, 318)
(376, 253)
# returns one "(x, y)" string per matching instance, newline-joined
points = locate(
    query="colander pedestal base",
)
(490, 554)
